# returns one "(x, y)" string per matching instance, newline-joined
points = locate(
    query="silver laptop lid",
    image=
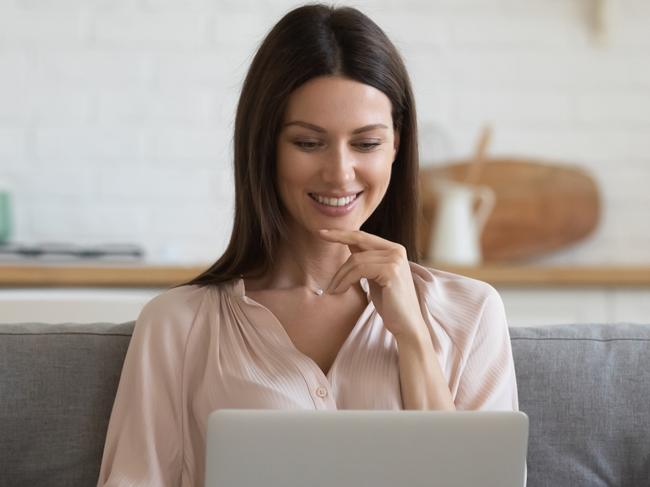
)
(281, 448)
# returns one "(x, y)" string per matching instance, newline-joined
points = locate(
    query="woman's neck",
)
(310, 265)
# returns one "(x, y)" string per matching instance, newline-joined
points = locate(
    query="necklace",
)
(319, 290)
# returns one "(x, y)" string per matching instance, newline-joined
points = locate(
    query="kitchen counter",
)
(158, 276)
(96, 275)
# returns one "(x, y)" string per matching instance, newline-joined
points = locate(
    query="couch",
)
(585, 388)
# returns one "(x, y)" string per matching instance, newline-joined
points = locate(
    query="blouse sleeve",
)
(488, 378)
(143, 443)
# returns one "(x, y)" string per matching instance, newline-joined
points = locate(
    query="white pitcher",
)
(456, 237)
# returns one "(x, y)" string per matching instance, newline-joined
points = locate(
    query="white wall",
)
(116, 115)
(73, 305)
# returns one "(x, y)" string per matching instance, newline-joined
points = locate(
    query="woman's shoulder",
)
(447, 286)
(465, 308)
(176, 301)
(179, 307)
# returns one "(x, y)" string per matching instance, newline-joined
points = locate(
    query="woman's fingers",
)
(361, 240)
(363, 264)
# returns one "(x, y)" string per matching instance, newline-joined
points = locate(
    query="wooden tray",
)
(540, 207)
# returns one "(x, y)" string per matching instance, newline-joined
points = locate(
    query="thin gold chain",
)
(319, 291)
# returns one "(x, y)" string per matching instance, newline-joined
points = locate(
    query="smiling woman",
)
(318, 301)
(326, 93)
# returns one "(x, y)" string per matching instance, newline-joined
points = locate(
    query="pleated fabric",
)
(196, 349)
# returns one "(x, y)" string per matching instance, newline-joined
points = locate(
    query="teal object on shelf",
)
(5, 216)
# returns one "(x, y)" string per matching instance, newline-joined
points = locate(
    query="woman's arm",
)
(143, 443)
(422, 382)
(487, 379)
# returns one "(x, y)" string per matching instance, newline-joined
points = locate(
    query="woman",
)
(318, 302)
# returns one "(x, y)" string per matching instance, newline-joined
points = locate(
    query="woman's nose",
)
(339, 167)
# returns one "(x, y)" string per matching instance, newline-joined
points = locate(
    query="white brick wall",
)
(116, 116)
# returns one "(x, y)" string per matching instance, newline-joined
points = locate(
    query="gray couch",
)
(585, 388)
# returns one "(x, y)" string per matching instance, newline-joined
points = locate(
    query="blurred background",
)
(116, 128)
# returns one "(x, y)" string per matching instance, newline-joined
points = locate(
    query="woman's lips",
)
(335, 210)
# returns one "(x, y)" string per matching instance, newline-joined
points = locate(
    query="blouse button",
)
(321, 392)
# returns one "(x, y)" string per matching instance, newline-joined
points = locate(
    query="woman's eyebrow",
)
(321, 130)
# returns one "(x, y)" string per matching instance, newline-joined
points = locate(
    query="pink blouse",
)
(196, 349)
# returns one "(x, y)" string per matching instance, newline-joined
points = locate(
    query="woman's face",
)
(337, 141)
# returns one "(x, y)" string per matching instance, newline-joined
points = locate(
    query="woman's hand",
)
(385, 265)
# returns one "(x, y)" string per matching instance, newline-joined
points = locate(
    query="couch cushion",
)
(57, 385)
(586, 390)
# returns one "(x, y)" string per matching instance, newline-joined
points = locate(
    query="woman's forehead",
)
(333, 102)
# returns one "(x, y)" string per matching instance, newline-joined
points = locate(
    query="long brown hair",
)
(311, 41)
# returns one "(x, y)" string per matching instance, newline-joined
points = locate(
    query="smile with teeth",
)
(334, 201)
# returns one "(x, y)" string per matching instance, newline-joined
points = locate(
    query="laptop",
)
(352, 448)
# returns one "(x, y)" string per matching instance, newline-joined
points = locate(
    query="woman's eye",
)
(367, 146)
(306, 145)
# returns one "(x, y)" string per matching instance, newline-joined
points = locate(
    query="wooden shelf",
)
(153, 276)
(57, 275)
(579, 276)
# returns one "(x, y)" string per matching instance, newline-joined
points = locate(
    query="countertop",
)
(161, 276)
